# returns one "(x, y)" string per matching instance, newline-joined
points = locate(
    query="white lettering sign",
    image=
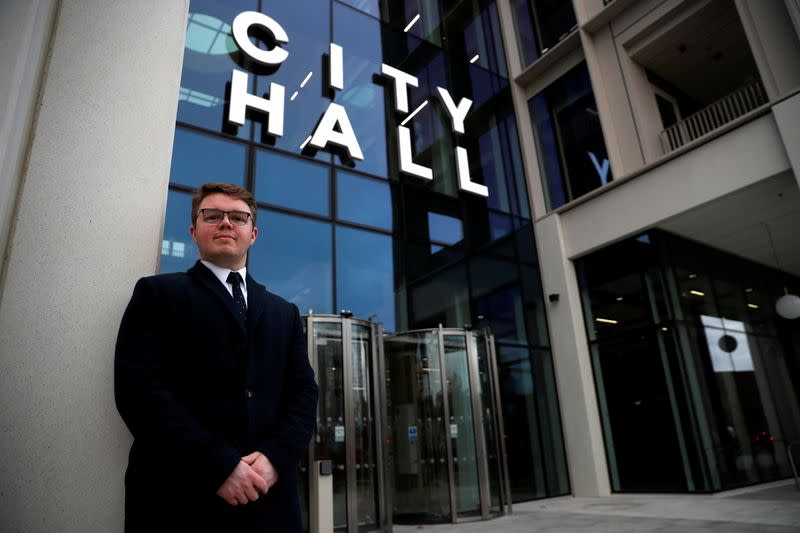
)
(334, 129)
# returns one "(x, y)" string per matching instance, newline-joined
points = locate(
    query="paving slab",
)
(768, 508)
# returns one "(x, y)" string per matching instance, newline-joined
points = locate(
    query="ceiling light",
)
(474, 59)
(752, 306)
(697, 293)
(606, 321)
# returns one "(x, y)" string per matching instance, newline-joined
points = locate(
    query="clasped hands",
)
(253, 476)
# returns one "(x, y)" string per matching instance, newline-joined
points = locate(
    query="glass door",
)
(344, 352)
(448, 459)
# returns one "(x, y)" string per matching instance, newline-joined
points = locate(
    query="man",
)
(212, 378)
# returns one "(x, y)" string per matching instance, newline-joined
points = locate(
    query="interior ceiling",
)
(705, 55)
(741, 223)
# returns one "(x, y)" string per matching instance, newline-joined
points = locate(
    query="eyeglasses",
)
(215, 216)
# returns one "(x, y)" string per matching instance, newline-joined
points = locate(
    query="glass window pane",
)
(307, 23)
(291, 182)
(540, 25)
(444, 229)
(364, 201)
(367, 6)
(360, 37)
(293, 258)
(365, 275)
(198, 159)
(441, 299)
(208, 60)
(178, 251)
(532, 423)
(572, 150)
(330, 438)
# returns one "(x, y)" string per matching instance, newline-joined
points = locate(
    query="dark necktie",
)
(238, 297)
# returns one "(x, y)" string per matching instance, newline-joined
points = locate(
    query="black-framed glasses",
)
(215, 216)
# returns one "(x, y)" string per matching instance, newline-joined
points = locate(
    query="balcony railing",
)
(716, 115)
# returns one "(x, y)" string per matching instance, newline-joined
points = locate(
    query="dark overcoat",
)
(199, 389)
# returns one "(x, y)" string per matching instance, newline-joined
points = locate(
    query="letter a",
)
(325, 132)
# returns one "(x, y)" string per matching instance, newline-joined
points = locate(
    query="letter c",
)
(242, 23)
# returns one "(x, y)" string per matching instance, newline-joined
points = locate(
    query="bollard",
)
(321, 498)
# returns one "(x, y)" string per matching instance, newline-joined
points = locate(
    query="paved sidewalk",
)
(768, 508)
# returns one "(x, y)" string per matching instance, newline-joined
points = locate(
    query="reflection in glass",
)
(291, 182)
(441, 299)
(199, 158)
(536, 456)
(444, 229)
(461, 428)
(178, 251)
(362, 97)
(364, 201)
(364, 422)
(490, 424)
(292, 257)
(540, 25)
(330, 437)
(365, 275)
(710, 368)
(209, 57)
(572, 152)
(309, 40)
(414, 396)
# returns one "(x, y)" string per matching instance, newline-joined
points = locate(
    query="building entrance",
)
(344, 352)
(444, 426)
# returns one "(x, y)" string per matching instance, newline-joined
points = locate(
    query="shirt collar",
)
(222, 273)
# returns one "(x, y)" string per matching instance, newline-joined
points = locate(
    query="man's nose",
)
(225, 220)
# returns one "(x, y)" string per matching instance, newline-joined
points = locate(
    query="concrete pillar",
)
(774, 43)
(25, 29)
(580, 415)
(87, 223)
(787, 117)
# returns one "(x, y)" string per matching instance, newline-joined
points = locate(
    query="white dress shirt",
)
(222, 275)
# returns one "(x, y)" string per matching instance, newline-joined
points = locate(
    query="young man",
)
(212, 378)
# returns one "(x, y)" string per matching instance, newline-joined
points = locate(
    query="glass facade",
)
(696, 376)
(573, 159)
(540, 25)
(342, 233)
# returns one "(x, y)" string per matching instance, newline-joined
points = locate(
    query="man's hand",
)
(263, 467)
(243, 485)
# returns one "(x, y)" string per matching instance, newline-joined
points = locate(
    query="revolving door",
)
(344, 353)
(444, 427)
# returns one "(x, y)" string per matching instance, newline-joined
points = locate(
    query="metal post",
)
(349, 426)
(446, 426)
(479, 435)
(321, 516)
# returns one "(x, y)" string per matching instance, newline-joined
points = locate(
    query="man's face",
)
(223, 244)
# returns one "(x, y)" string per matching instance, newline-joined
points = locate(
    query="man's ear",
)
(191, 232)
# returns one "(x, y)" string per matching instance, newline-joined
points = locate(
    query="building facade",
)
(610, 188)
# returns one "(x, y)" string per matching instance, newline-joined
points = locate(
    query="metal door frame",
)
(377, 396)
(477, 417)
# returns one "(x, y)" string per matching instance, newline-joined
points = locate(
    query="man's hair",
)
(234, 191)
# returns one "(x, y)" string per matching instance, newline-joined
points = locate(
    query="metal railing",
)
(715, 115)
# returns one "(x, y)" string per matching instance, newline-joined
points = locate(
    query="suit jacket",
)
(199, 388)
